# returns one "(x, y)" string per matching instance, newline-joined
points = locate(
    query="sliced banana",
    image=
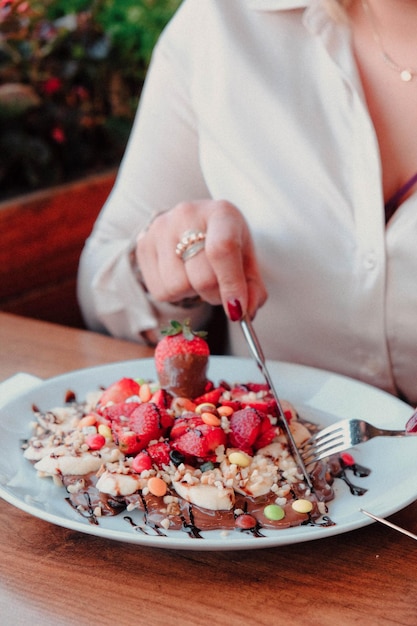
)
(299, 432)
(83, 463)
(120, 484)
(212, 497)
(254, 480)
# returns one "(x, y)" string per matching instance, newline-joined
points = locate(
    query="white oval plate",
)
(320, 396)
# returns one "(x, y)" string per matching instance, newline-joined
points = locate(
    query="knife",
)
(382, 520)
(257, 352)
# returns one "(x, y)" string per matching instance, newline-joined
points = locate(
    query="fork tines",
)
(324, 443)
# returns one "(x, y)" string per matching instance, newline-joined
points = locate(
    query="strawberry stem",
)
(176, 328)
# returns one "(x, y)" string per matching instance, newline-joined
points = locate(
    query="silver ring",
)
(191, 243)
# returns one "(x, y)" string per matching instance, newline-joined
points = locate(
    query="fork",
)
(342, 436)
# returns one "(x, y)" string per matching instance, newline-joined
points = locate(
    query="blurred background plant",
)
(71, 73)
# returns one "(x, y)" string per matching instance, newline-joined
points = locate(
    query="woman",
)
(270, 135)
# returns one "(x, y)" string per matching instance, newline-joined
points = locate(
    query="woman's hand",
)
(224, 271)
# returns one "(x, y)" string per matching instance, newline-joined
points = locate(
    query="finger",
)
(231, 254)
(202, 278)
(163, 272)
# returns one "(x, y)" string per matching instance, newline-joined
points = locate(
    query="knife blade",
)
(257, 352)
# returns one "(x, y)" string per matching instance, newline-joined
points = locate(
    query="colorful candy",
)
(245, 521)
(274, 512)
(302, 506)
(157, 486)
(240, 459)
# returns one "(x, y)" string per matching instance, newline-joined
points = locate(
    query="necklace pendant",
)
(406, 76)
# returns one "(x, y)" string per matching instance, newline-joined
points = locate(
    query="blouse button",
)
(370, 261)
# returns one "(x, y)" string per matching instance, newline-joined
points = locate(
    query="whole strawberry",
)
(181, 359)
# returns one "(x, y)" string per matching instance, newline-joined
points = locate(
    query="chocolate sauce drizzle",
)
(357, 470)
(144, 528)
(86, 500)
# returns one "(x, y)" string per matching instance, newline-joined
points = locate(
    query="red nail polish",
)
(235, 310)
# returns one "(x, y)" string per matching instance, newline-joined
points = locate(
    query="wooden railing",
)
(42, 235)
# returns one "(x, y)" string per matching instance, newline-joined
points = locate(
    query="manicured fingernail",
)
(235, 310)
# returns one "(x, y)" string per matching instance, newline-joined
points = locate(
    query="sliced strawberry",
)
(257, 387)
(192, 444)
(255, 395)
(266, 435)
(162, 398)
(182, 424)
(263, 405)
(245, 428)
(115, 412)
(288, 415)
(149, 422)
(159, 453)
(210, 397)
(215, 437)
(128, 442)
(236, 405)
(200, 442)
(119, 391)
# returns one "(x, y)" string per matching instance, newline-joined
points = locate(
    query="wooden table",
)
(53, 576)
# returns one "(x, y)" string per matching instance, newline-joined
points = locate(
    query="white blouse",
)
(259, 102)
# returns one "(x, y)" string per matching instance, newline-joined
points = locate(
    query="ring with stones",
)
(191, 243)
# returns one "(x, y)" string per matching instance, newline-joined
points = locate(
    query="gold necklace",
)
(406, 73)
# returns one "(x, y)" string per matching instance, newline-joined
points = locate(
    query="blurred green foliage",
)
(71, 73)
